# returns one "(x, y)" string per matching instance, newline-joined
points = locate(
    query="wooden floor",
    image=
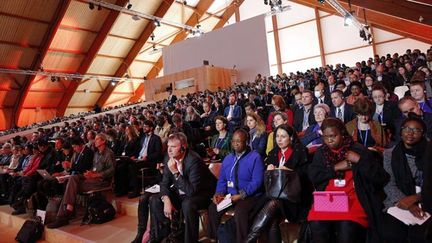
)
(121, 229)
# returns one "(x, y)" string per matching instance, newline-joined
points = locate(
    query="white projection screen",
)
(242, 45)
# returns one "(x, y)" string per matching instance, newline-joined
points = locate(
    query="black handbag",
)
(31, 231)
(283, 184)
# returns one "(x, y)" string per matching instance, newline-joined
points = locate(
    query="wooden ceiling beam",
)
(91, 55)
(417, 31)
(401, 9)
(37, 61)
(135, 50)
(230, 10)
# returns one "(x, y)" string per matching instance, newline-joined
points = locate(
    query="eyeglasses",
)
(412, 130)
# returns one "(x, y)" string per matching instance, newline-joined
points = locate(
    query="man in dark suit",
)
(233, 112)
(340, 109)
(186, 187)
(320, 96)
(149, 156)
(304, 117)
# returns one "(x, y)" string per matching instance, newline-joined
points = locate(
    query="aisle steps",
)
(121, 229)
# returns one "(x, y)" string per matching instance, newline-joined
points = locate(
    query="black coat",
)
(298, 119)
(427, 183)
(82, 163)
(298, 162)
(349, 113)
(197, 180)
(369, 178)
(132, 148)
(154, 149)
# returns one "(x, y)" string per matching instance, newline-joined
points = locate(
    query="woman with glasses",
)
(364, 130)
(405, 163)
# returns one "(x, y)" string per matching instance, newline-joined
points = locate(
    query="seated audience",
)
(340, 109)
(405, 164)
(303, 117)
(162, 127)
(257, 134)
(233, 112)
(356, 92)
(100, 176)
(406, 105)
(220, 144)
(148, 157)
(241, 176)
(289, 154)
(337, 166)
(279, 105)
(364, 130)
(312, 136)
(279, 118)
(186, 187)
(418, 92)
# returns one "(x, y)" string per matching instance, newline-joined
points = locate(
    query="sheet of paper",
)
(406, 217)
(42, 214)
(224, 203)
(153, 189)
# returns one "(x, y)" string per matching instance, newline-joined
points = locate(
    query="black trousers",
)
(244, 211)
(396, 231)
(134, 170)
(143, 211)
(343, 231)
(189, 207)
(28, 187)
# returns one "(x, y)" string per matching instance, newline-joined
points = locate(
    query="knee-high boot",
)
(263, 219)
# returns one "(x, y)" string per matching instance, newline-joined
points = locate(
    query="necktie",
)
(339, 114)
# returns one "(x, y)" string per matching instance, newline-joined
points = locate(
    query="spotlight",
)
(198, 26)
(152, 37)
(99, 7)
(156, 22)
(113, 83)
(129, 6)
(136, 17)
(185, 2)
(91, 6)
(154, 47)
(321, 1)
(348, 19)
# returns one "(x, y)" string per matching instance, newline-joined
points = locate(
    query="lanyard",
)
(365, 138)
(235, 164)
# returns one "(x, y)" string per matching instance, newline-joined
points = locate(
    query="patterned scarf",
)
(333, 157)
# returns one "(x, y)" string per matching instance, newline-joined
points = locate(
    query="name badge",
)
(418, 189)
(339, 183)
(230, 184)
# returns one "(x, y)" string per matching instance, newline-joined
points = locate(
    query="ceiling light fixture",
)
(349, 18)
(156, 22)
(128, 10)
(135, 17)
